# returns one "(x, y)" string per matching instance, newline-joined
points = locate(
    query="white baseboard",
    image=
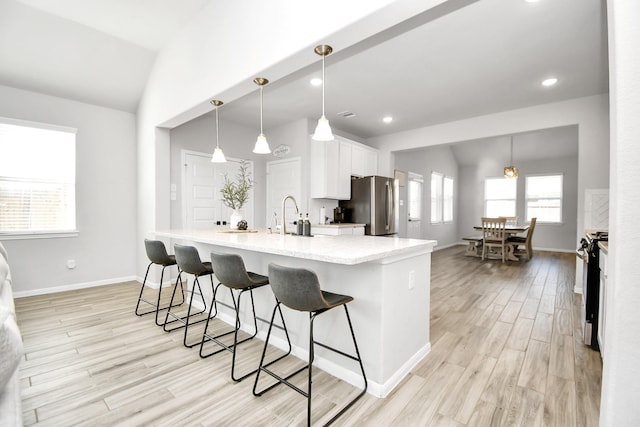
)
(64, 288)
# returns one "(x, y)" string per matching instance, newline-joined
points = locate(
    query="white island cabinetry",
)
(388, 277)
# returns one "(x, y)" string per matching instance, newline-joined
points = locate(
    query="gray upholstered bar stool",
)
(189, 262)
(299, 289)
(157, 254)
(231, 272)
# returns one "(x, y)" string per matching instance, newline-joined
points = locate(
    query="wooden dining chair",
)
(511, 220)
(524, 240)
(494, 236)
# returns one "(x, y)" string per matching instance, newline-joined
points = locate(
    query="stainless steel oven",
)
(589, 252)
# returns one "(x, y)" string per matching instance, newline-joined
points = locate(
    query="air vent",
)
(346, 114)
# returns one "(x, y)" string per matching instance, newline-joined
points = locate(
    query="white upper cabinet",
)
(334, 162)
(330, 169)
(364, 160)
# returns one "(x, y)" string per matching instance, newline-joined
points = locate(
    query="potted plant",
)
(236, 193)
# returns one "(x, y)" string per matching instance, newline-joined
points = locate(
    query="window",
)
(500, 197)
(436, 197)
(441, 198)
(544, 198)
(37, 178)
(415, 196)
(447, 200)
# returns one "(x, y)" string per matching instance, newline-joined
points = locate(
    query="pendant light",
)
(323, 130)
(511, 171)
(218, 155)
(262, 146)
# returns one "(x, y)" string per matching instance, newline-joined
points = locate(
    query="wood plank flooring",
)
(506, 351)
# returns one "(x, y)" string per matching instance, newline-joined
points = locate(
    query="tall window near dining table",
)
(37, 178)
(415, 196)
(500, 197)
(441, 198)
(544, 198)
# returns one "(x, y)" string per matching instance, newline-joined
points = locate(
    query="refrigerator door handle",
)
(388, 207)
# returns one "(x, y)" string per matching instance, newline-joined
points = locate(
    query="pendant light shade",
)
(218, 155)
(262, 146)
(323, 130)
(511, 171)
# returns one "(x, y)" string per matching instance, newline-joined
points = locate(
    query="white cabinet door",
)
(330, 170)
(364, 161)
(343, 190)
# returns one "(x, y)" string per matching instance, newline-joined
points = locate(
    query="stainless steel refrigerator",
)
(373, 203)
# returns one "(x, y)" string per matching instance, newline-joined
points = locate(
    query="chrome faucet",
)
(283, 229)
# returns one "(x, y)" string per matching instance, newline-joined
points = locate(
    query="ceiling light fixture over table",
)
(262, 146)
(323, 130)
(218, 155)
(511, 171)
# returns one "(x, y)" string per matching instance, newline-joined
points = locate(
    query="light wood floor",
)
(506, 350)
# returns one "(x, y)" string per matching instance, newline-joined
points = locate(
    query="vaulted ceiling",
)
(487, 57)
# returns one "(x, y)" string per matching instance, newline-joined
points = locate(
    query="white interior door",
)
(283, 179)
(202, 181)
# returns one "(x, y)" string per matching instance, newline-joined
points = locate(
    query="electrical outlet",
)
(412, 279)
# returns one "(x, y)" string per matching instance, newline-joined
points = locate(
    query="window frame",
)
(45, 233)
(448, 200)
(527, 198)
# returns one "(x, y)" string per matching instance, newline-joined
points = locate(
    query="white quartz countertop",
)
(333, 249)
(338, 225)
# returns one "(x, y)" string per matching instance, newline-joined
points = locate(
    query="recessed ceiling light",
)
(531, 1)
(316, 81)
(550, 81)
(387, 119)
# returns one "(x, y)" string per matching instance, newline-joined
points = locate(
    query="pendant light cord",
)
(261, 132)
(323, 84)
(217, 137)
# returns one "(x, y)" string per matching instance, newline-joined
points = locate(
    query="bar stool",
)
(157, 254)
(231, 272)
(189, 262)
(299, 289)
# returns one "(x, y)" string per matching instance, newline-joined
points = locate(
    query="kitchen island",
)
(388, 277)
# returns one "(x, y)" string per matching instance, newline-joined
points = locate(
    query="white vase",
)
(235, 218)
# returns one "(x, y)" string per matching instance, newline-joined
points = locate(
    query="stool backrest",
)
(188, 259)
(157, 252)
(230, 270)
(297, 288)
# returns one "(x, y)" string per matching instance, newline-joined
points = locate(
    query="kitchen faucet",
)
(283, 229)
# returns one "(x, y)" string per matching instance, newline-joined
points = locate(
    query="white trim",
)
(64, 288)
(39, 125)
(38, 235)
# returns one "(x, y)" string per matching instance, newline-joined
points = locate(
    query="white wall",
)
(104, 250)
(423, 162)
(621, 370)
(236, 142)
(546, 236)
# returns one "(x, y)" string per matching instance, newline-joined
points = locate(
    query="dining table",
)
(475, 246)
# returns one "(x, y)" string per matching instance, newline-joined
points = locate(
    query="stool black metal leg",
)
(312, 317)
(359, 360)
(262, 367)
(140, 296)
